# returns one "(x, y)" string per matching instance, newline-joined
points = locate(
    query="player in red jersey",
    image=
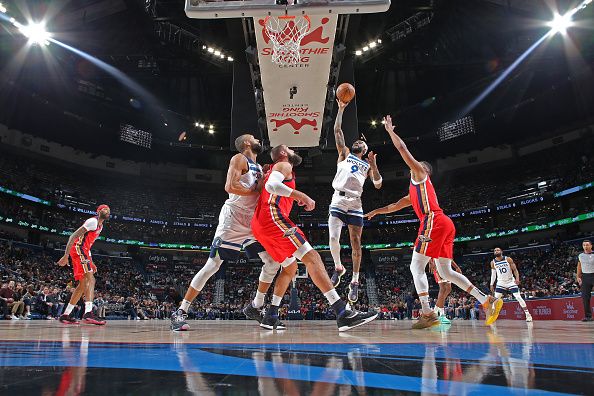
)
(435, 239)
(286, 243)
(79, 251)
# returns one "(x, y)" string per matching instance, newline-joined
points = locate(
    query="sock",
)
(185, 305)
(339, 307)
(479, 295)
(276, 300)
(259, 299)
(439, 311)
(332, 296)
(69, 309)
(273, 311)
(355, 277)
(425, 304)
(88, 306)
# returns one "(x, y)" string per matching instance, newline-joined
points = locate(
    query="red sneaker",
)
(90, 318)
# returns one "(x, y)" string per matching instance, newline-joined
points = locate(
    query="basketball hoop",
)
(285, 33)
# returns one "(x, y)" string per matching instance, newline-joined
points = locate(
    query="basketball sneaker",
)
(337, 276)
(67, 319)
(426, 320)
(272, 323)
(178, 321)
(492, 308)
(252, 312)
(444, 319)
(90, 318)
(349, 319)
(528, 317)
(353, 292)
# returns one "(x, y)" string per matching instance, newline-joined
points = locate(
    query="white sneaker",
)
(528, 318)
(14, 317)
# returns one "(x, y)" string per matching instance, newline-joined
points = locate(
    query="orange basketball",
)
(345, 92)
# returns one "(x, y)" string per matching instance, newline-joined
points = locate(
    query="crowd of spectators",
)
(33, 286)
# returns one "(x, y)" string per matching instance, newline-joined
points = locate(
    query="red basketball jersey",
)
(83, 244)
(423, 198)
(283, 204)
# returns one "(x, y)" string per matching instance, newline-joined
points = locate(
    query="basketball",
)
(345, 92)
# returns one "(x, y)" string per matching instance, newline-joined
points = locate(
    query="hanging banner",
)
(295, 95)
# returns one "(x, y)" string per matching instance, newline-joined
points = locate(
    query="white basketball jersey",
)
(247, 180)
(504, 271)
(350, 175)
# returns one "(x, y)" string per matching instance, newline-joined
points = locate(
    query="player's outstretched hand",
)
(370, 215)
(341, 104)
(63, 261)
(308, 204)
(371, 157)
(388, 123)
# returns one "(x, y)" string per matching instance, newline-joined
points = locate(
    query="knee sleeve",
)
(210, 268)
(518, 297)
(417, 268)
(269, 268)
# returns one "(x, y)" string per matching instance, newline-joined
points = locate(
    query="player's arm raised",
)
(343, 150)
(73, 237)
(275, 185)
(514, 269)
(493, 276)
(237, 166)
(415, 166)
(402, 203)
(376, 178)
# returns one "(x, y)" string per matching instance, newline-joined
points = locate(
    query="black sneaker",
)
(272, 323)
(90, 318)
(252, 312)
(350, 319)
(587, 319)
(337, 276)
(67, 319)
(178, 321)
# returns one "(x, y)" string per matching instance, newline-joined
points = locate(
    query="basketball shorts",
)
(439, 279)
(82, 263)
(279, 236)
(436, 236)
(347, 208)
(234, 233)
(507, 287)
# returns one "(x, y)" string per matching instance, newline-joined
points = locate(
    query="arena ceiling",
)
(423, 75)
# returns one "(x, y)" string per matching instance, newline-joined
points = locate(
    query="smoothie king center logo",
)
(296, 116)
(316, 35)
(569, 311)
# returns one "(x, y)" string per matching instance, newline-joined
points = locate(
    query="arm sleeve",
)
(275, 185)
(493, 275)
(90, 224)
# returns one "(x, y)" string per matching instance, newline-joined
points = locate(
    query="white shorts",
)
(507, 287)
(346, 208)
(233, 233)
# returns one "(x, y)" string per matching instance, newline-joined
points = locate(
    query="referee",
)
(585, 277)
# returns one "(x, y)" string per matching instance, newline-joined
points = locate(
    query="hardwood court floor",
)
(237, 357)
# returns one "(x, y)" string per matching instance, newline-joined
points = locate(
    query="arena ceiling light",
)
(35, 32)
(368, 46)
(2, 8)
(217, 53)
(560, 23)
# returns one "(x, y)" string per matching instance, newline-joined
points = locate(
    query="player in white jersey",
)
(504, 270)
(234, 233)
(346, 208)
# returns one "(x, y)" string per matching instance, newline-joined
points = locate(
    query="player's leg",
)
(283, 280)
(445, 288)
(269, 270)
(77, 293)
(89, 292)
(334, 230)
(418, 264)
(346, 318)
(586, 291)
(516, 293)
(355, 232)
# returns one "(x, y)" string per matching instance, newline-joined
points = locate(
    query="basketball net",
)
(285, 33)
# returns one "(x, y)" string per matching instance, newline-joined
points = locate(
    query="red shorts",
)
(279, 236)
(436, 236)
(81, 265)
